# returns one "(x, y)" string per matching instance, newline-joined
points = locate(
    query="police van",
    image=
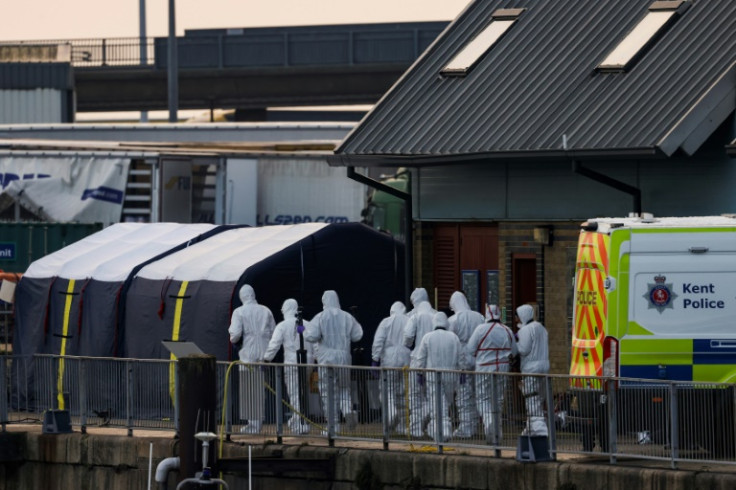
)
(655, 299)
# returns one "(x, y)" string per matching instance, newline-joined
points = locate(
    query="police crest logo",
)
(659, 294)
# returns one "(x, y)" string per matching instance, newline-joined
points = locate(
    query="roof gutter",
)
(388, 160)
(409, 245)
(635, 192)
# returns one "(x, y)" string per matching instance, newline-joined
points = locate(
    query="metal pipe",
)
(173, 65)
(150, 464)
(143, 46)
(409, 239)
(635, 192)
(163, 469)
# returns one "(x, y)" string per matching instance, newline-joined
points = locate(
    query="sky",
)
(79, 19)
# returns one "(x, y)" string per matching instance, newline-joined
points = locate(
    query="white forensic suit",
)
(332, 330)
(419, 295)
(416, 328)
(252, 324)
(534, 351)
(491, 346)
(463, 323)
(389, 351)
(440, 349)
(287, 335)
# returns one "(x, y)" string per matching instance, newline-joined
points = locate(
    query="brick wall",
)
(555, 269)
(555, 266)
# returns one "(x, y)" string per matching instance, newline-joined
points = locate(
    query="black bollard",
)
(197, 385)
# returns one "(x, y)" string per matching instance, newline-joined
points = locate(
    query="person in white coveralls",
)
(251, 326)
(440, 349)
(492, 345)
(389, 351)
(463, 323)
(419, 324)
(287, 334)
(534, 351)
(332, 330)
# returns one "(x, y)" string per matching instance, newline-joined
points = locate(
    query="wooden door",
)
(464, 256)
(524, 281)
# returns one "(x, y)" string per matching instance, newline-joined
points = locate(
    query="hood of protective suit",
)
(440, 321)
(493, 313)
(398, 308)
(525, 313)
(458, 302)
(247, 294)
(330, 300)
(289, 308)
(419, 295)
(424, 306)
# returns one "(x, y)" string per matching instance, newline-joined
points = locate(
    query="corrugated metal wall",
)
(36, 93)
(41, 105)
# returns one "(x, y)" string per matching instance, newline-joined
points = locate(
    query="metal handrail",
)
(102, 52)
(659, 420)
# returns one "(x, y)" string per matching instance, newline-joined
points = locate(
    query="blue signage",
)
(7, 251)
(103, 193)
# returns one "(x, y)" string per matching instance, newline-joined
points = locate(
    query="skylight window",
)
(658, 18)
(463, 61)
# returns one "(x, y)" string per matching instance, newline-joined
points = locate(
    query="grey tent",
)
(121, 291)
(67, 302)
(190, 295)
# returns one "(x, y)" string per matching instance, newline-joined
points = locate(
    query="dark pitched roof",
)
(540, 82)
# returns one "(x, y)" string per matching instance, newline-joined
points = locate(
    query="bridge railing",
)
(259, 48)
(419, 409)
(106, 52)
(294, 49)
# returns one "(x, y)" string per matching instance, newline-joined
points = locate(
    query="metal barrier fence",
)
(6, 327)
(90, 53)
(657, 420)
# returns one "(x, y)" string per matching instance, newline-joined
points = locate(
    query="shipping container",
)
(23, 242)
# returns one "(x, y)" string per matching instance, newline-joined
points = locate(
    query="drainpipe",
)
(635, 192)
(409, 241)
(163, 469)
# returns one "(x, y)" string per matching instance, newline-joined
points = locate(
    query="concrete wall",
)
(84, 461)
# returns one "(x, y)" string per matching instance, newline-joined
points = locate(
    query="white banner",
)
(80, 189)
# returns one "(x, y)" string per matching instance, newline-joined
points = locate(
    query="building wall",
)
(554, 287)
(520, 196)
(423, 259)
(555, 266)
(42, 105)
(551, 191)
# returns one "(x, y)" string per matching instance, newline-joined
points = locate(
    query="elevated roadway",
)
(249, 69)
